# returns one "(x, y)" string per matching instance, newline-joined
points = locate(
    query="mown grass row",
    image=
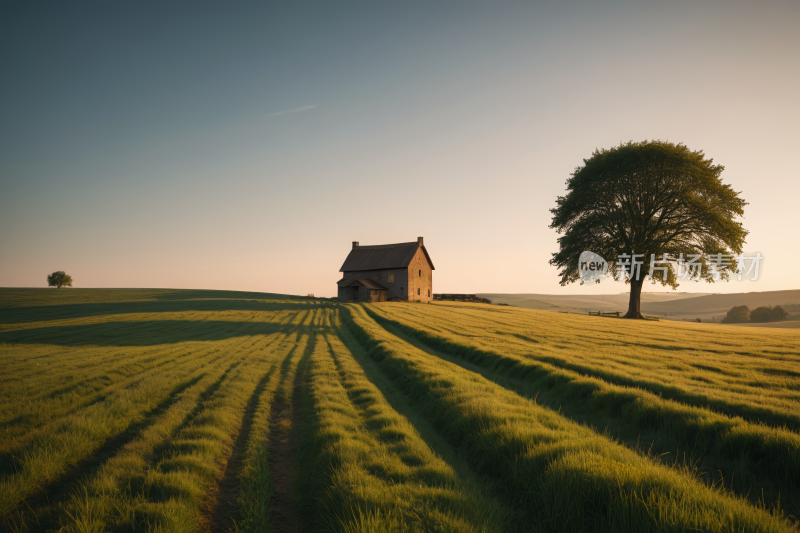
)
(37, 423)
(96, 503)
(753, 376)
(257, 485)
(366, 467)
(757, 456)
(39, 416)
(563, 475)
(33, 371)
(42, 456)
(126, 426)
(63, 382)
(49, 374)
(162, 480)
(78, 436)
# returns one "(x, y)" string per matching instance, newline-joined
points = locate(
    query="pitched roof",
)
(368, 283)
(382, 256)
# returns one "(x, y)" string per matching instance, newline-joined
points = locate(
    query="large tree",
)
(653, 199)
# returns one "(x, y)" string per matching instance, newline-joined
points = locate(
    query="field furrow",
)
(284, 423)
(255, 490)
(40, 416)
(748, 459)
(117, 497)
(367, 468)
(735, 386)
(172, 481)
(563, 475)
(95, 489)
(190, 411)
(49, 454)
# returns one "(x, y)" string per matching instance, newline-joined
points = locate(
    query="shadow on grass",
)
(149, 332)
(187, 294)
(21, 315)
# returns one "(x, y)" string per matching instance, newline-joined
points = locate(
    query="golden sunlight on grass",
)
(205, 411)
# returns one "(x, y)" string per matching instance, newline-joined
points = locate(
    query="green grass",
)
(372, 471)
(742, 454)
(170, 410)
(552, 467)
(666, 305)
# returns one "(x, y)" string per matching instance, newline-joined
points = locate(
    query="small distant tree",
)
(768, 314)
(59, 279)
(737, 315)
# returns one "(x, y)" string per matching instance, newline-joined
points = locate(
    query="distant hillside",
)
(673, 306)
(719, 304)
(583, 303)
(790, 324)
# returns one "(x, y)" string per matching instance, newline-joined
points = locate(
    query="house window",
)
(420, 273)
(391, 278)
(417, 292)
(429, 293)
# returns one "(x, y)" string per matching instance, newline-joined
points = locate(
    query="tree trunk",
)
(634, 305)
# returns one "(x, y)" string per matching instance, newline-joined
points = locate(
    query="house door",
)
(355, 294)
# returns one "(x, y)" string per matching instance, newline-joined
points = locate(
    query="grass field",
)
(172, 410)
(665, 305)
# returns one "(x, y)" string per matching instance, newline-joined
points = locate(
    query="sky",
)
(245, 145)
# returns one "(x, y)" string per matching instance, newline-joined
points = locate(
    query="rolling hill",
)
(671, 306)
(205, 411)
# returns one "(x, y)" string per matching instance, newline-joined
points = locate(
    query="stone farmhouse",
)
(384, 271)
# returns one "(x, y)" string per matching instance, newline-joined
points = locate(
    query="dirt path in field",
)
(286, 420)
(222, 509)
(282, 466)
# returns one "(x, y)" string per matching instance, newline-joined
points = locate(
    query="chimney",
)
(355, 245)
(419, 241)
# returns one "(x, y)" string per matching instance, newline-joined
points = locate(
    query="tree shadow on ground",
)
(21, 315)
(149, 332)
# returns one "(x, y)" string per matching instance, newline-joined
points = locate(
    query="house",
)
(384, 271)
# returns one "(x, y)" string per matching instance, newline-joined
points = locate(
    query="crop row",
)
(51, 451)
(367, 468)
(33, 417)
(168, 474)
(564, 476)
(737, 375)
(759, 456)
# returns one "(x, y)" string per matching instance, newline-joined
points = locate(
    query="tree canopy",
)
(59, 279)
(737, 314)
(654, 199)
(768, 314)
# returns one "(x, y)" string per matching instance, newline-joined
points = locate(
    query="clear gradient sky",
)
(242, 145)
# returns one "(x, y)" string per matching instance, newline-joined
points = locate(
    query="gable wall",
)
(420, 278)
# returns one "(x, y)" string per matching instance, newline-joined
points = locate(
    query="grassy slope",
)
(583, 303)
(166, 409)
(676, 305)
(789, 324)
(682, 390)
